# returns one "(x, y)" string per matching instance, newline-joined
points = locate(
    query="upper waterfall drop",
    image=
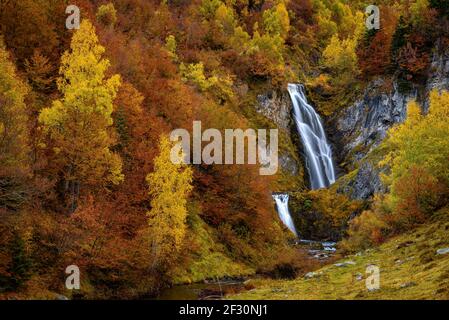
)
(318, 153)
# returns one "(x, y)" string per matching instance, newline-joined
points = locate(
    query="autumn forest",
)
(87, 181)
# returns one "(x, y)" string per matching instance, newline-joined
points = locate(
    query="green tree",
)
(341, 58)
(20, 266)
(224, 17)
(169, 187)
(208, 8)
(170, 45)
(219, 84)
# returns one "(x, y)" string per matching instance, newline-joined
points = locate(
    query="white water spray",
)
(283, 211)
(318, 153)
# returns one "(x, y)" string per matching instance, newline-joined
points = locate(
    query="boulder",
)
(345, 263)
(443, 251)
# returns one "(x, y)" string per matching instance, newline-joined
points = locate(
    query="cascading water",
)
(318, 154)
(284, 214)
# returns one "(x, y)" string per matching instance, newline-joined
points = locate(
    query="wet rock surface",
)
(438, 71)
(288, 164)
(366, 183)
(277, 107)
(319, 250)
(364, 124)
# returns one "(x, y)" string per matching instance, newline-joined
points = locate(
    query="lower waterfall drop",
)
(283, 211)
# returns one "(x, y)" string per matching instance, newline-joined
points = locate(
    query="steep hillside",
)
(135, 138)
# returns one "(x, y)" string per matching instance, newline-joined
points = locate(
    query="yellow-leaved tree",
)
(276, 20)
(79, 124)
(421, 140)
(169, 187)
(418, 155)
(14, 156)
(339, 56)
(13, 117)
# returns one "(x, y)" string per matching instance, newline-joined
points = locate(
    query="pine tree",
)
(169, 187)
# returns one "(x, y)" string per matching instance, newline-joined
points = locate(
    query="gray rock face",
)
(364, 126)
(277, 107)
(365, 123)
(439, 71)
(366, 183)
(345, 263)
(288, 164)
(311, 275)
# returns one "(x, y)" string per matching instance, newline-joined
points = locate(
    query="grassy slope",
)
(407, 259)
(210, 260)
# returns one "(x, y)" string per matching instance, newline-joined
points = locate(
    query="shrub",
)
(18, 270)
(289, 265)
(414, 198)
(364, 231)
(107, 15)
(323, 214)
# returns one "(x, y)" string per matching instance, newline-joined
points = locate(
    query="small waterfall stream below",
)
(283, 211)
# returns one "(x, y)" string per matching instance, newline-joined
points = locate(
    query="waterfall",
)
(318, 154)
(283, 211)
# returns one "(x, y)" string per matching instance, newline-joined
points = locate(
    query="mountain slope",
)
(410, 268)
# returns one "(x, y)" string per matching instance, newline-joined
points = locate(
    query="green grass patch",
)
(409, 269)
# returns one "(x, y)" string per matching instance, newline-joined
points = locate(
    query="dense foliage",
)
(85, 115)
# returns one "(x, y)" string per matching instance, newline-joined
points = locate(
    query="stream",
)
(216, 290)
(202, 291)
